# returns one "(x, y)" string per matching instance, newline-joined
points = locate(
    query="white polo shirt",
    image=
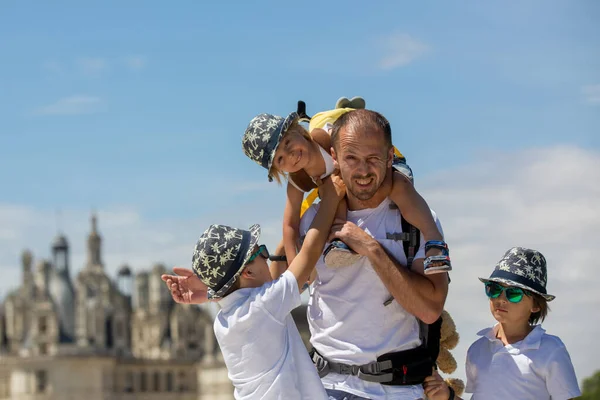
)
(348, 320)
(538, 367)
(262, 348)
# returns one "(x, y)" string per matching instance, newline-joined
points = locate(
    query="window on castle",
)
(143, 382)
(41, 381)
(43, 349)
(156, 382)
(182, 384)
(119, 328)
(128, 382)
(42, 325)
(169, 382)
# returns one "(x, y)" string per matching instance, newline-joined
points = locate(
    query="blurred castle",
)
(95, 338)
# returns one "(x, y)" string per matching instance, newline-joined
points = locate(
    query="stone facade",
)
(99, 338)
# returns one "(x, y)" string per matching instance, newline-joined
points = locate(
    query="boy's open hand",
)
(186, 287)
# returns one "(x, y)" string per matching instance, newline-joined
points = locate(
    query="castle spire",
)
(94, 244)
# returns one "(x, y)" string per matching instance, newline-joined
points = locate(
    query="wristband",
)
(273, 257)
(451, 397)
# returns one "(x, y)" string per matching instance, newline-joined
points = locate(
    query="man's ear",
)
(390, 157)
(336, 165)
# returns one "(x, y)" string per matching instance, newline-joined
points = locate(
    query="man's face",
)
(363, 158)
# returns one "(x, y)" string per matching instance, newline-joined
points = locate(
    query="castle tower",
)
(28, 278)
(94, 245)
(42, 276)
(60, 254)
(125, 281)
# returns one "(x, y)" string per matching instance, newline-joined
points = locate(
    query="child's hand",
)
(333, 186)
(436, 388)
(186, 287)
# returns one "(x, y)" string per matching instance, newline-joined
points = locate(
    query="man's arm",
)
(421, 295)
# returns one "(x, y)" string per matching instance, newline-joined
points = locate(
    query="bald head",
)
(365, 122)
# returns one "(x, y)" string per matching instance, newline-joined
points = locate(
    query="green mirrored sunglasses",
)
(513, 294)
(262, 251)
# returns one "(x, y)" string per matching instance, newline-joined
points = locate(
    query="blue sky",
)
(136, 109)
(108, 103)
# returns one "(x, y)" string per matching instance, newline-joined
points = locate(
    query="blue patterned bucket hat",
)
(523, 268)
(262, 137)
(220, 256)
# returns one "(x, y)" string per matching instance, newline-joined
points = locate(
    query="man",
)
(353, 324)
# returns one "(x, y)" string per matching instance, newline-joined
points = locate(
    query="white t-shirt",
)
(538, 367)
(347, 318)
(261, 345)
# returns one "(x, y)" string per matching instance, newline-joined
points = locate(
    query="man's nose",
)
(362, 167)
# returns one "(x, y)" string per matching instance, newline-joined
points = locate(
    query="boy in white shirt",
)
(515, 359)
(261, 346)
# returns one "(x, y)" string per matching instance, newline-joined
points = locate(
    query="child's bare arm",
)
(291, 221)
(413, 207)
(305, 261)
(278, 267)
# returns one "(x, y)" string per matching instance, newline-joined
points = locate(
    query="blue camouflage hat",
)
(523, 268)
(220, 255)
(262, 137)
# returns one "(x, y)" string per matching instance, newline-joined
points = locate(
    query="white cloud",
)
(135, 62)
(400, 49)
(73, 105)
(591, 93)
(92, 66)
(540, 198)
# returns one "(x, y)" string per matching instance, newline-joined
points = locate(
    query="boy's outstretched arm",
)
(332, 191)
(278, 267)
(413, 207)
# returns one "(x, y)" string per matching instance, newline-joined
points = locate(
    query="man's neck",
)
(355, 204)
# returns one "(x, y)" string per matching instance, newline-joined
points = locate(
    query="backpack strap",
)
(410, 238)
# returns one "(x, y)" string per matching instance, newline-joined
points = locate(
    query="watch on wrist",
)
(451, 397)
(273, 257)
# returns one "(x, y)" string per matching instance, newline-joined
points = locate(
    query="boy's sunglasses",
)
(262, 251)
(493, 290)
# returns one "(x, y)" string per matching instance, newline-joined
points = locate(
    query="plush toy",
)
(445, 361)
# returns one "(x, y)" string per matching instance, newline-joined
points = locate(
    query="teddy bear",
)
(446, 363)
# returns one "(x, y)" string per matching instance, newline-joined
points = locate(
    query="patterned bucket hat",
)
(523, 268)
(262, 137)
(220, 255)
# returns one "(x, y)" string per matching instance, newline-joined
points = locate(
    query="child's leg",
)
(338, 254)
(414, 208)
(416, 211)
